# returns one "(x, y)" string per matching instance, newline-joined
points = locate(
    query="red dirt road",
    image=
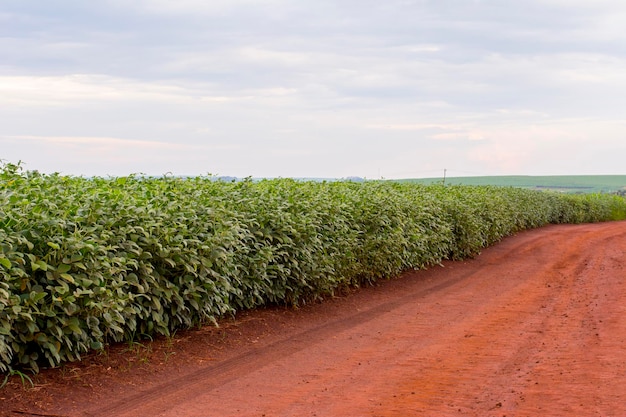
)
(534, 326)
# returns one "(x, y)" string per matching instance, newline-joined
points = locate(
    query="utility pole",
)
(444, 176)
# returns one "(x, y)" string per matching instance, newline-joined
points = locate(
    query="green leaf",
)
(68, 278)
(39, 264)
(74, 325)
(37, 296)
(80, 265)
(5, 327)
(5, 263)
(96, 345)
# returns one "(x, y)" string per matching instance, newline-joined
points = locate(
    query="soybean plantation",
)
(85, 262)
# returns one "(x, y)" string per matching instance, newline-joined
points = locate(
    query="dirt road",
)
(535, 326)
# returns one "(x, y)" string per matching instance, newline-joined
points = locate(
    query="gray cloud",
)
(318, 88)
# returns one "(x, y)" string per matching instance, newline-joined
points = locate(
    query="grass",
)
(562, 183)
(23, 377)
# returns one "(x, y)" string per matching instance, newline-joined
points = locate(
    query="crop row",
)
(89, 261)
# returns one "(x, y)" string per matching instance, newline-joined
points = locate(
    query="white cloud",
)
(411, 126)
(61, 90)
(456, 136)
(274, 57)
(67, 90)
(110, 156)
(195, 7)
(320, 88)
(102, 143)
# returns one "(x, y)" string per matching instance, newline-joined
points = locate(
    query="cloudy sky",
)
(314, 88)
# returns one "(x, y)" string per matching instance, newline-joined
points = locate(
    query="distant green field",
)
(561, 183)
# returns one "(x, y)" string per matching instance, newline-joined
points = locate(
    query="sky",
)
(314, 88)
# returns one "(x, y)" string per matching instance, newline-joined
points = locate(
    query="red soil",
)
(536, 325)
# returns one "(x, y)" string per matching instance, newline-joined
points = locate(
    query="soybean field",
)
(85, 262)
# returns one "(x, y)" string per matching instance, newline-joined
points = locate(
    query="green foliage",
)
(89, 261)
(23, 377)
(571, 184)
